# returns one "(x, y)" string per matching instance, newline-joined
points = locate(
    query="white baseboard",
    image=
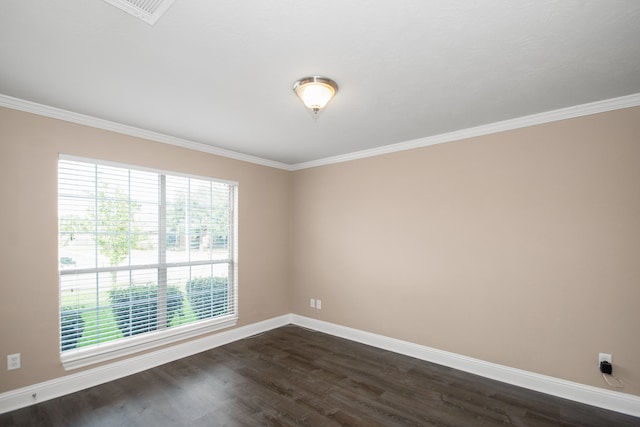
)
(594, 396)
(606, 399)
(36, 393)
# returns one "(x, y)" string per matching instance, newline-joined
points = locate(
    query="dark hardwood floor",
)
(293, 376)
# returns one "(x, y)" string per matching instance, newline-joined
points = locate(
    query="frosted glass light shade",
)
(315, 92)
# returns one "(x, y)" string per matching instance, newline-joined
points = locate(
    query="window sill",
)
(74, 359)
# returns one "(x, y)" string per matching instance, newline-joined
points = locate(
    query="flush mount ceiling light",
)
(315, 92)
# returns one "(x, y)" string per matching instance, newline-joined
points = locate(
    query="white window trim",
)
(82, 357)
(103, 352)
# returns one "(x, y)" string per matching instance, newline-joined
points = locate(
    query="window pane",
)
(197, 220)
(113, 216)
(86, 315)
(76, 244)
(145, 187)
(207, 290)
(76, 199)
(220, 220)
(177, 238)
(199, 215)
(134, 302)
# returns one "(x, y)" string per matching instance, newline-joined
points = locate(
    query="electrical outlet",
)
(13, 361)
(319, 304)
(604, 357)
(312, 303)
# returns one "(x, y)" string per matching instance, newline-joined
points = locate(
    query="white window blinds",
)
(141, 253)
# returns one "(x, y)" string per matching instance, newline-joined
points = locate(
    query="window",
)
(146, 258)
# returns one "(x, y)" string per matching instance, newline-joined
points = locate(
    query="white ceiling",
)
(220, 72)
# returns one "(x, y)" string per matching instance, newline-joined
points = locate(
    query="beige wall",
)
(29, 147)
(520, 248)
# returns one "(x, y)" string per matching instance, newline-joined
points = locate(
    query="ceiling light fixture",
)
(315, 92)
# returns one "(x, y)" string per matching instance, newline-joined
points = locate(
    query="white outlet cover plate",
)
(605, 357)
(13, 361)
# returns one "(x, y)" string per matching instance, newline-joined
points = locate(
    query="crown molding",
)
(82, 119)
(517, 123)
(512, 124)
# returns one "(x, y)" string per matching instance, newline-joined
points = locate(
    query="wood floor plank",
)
(292, 376)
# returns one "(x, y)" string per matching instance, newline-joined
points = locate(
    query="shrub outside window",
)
(145, 258)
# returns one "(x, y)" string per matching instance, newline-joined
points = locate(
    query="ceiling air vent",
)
(147, 10)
